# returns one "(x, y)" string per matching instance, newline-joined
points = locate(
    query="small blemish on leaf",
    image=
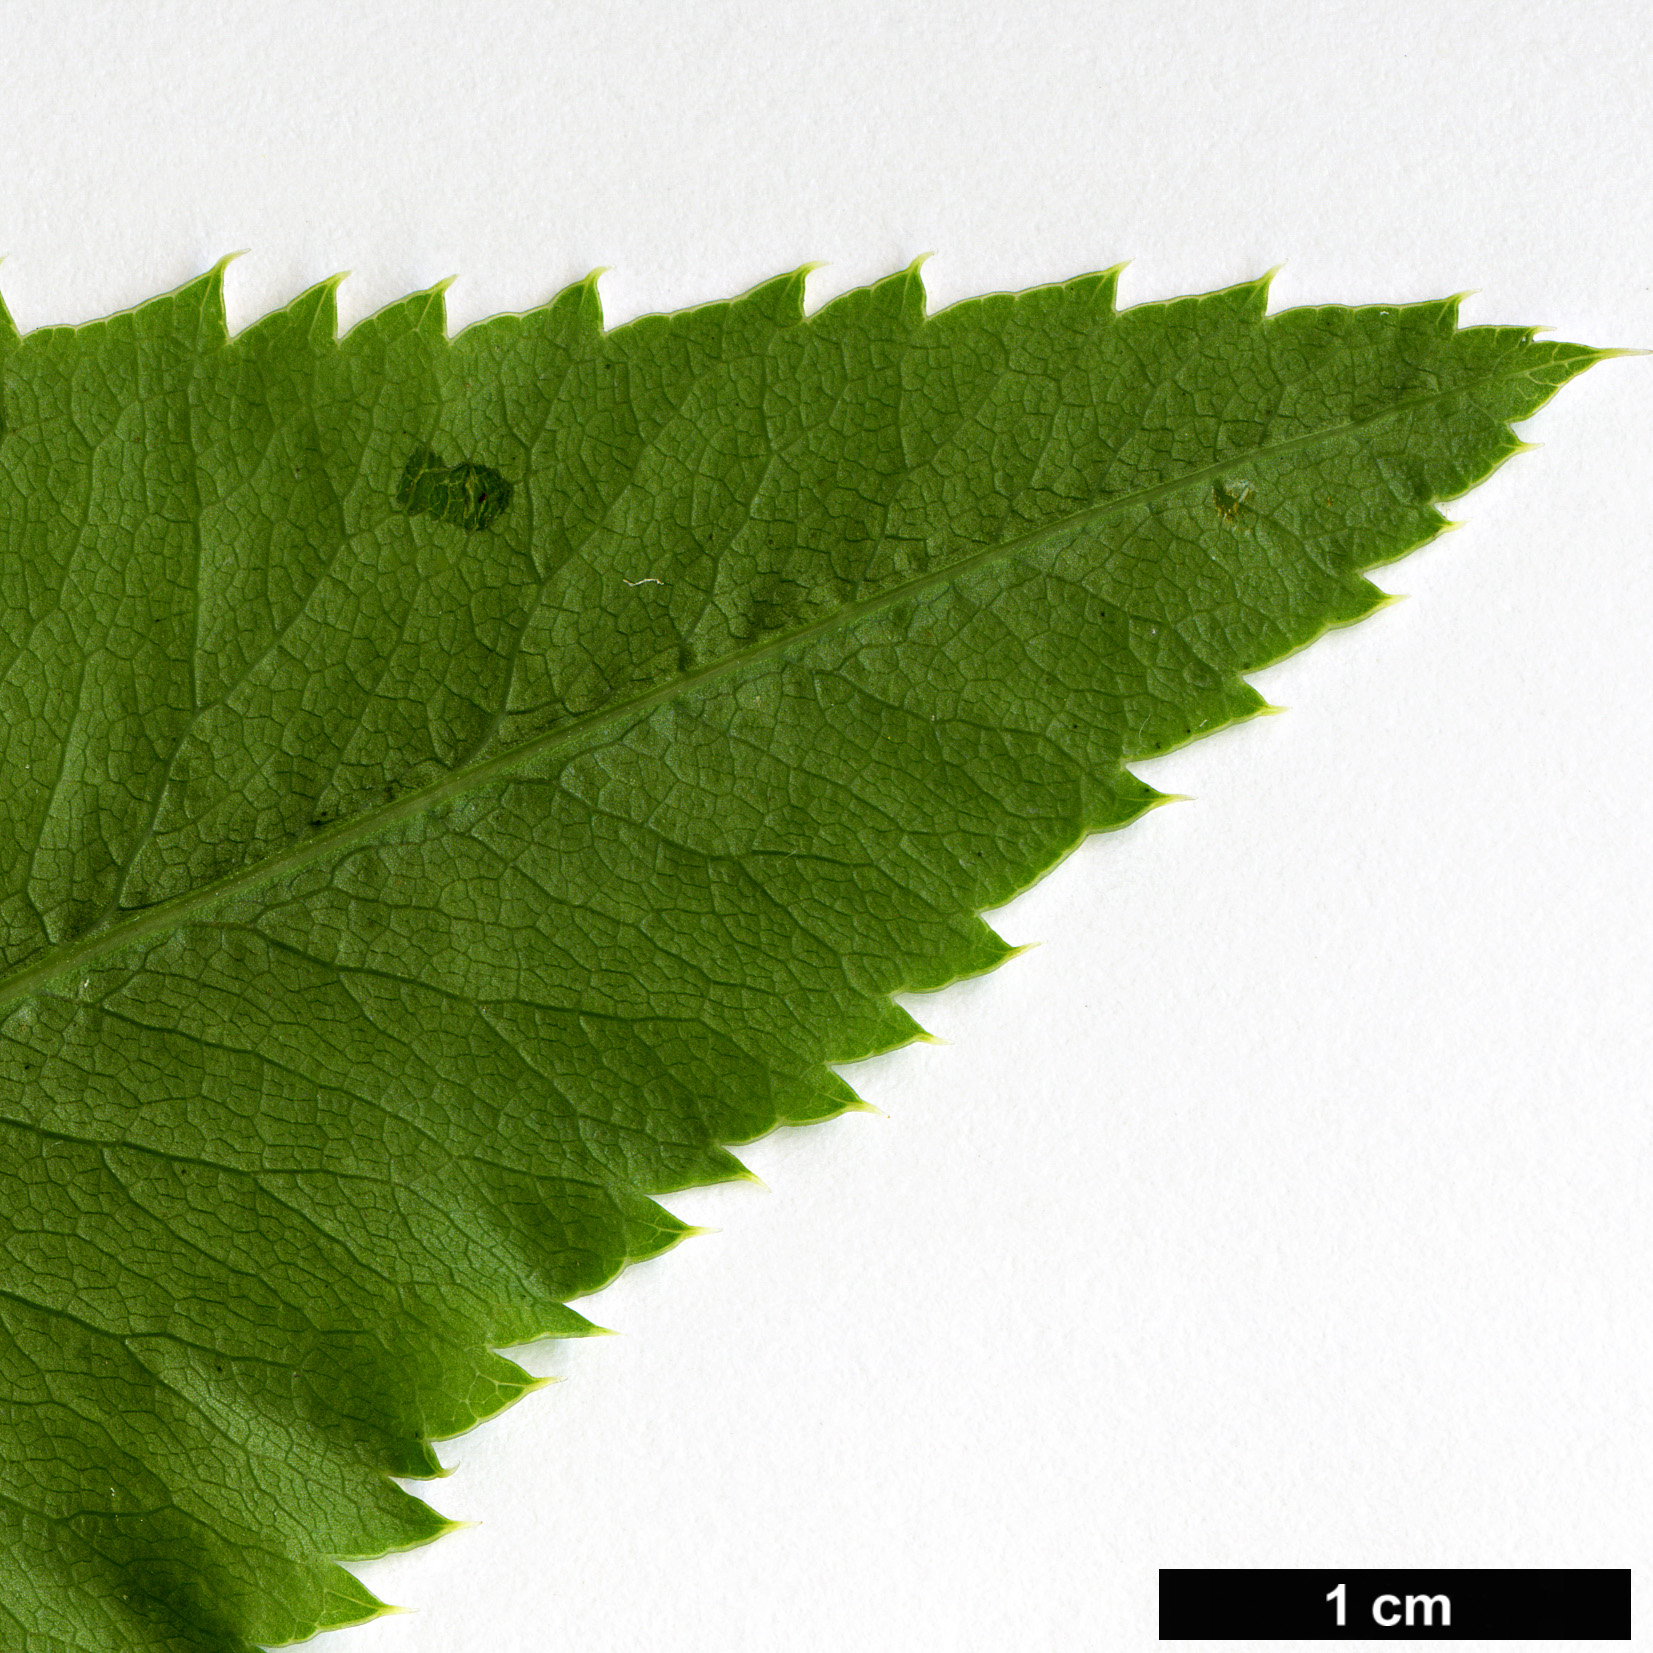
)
(468, 496)
(1229, 500)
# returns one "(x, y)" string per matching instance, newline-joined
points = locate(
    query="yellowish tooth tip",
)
(1172, 798)
(925, 1037)
(452, 1526)
(858, 1106)
(536, 1384)
(1272, 711)
(386, 1609)
(697, 1233)
(753, 1178)
(1390, 598)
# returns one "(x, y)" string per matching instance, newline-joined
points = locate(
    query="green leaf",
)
(456, 787)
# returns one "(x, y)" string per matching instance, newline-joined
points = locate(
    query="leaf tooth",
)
(427, 309)
(1101, 287)
(1265, 282)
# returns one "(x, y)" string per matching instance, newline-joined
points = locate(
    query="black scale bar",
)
(1400, 1604)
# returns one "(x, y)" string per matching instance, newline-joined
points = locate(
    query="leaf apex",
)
(860, 1105)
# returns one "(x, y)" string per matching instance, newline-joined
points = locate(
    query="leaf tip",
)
(387, 1609)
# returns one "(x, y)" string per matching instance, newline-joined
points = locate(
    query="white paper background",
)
(1288, 1205)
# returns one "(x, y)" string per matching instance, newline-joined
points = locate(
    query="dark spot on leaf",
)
(468, 496)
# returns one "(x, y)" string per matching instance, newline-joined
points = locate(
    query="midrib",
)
(144, 922)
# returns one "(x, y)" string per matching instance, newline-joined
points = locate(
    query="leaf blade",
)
(473, 890)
